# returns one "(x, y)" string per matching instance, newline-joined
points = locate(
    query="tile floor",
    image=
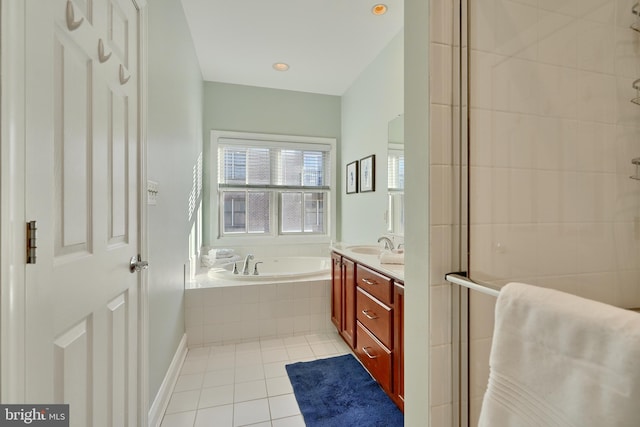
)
(245, 384)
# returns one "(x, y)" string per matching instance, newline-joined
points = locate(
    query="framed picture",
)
(352, 177)
(368, 174)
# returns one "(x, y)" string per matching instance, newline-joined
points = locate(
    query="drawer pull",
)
(369, 355)
(370, 282)
(370, 317)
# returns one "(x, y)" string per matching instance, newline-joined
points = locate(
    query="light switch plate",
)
(152, 192)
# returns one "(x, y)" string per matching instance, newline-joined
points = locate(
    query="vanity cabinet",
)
(343, 298)
(398, 344)
(367, 310)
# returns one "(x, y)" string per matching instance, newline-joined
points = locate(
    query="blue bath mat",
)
(339, 392)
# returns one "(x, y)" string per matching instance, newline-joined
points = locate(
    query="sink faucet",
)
(388, 244)
(245, 268)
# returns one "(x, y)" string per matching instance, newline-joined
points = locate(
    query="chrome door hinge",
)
(31, 242)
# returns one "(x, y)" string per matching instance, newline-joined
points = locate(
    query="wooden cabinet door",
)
(349, 286)
(398, 345)
(336, 290)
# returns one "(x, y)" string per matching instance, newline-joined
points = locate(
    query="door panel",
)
(72, 354)
(73, 142)
(82, 189)
(118, 177)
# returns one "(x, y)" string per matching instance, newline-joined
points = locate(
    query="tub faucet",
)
(245, 268)
(255, 268)
(388, 244)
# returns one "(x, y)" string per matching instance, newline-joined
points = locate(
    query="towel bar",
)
(461, 279)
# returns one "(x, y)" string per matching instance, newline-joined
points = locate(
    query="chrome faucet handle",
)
(388, 243)
(235, 268)
(255, 268)
(245, 267)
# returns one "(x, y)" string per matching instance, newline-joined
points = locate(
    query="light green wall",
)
(262, 110)
(174, 138)
(374, 98)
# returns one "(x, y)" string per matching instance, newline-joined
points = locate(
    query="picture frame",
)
(368, 173)
(352, 177)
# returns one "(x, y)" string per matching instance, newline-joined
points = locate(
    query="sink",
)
(365, 249)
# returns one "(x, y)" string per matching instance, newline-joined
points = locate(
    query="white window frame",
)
(215, 235)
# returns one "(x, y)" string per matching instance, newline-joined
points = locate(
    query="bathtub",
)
(290, 296)
(275, 269)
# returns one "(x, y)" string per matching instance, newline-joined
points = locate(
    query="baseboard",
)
(161, 401)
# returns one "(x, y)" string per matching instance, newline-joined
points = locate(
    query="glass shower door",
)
(552, 134)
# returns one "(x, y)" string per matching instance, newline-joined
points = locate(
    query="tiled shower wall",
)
(442, 202)
(552, 136)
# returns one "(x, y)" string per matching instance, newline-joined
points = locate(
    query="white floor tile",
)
(251, 412)
(189, 382)
(244, 358)
(296, 421)
(221, 361)
(300, 352)
(180, 419)
(272, 343)
(198, 353)
(251, 390)
(245, 373)
(283, 406)
(218, 416)
(316, 338)
(249, 373)
(183, 401)
(324, 349)
(216, 396)
(248, 346)
(278, 386)
(222, 349)
(194, 366)
(274, 355)
(295, 340)
(218, 378)
(275, 369)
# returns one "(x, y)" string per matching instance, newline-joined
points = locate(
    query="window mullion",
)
(276, 221)
(302, 212)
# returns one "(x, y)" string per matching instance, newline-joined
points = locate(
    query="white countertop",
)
(395, 271)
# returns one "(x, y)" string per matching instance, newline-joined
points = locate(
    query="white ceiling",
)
(326, 43)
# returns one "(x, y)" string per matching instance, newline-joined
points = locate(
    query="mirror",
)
(395, 180)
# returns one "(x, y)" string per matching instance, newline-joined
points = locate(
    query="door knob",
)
(136, 264)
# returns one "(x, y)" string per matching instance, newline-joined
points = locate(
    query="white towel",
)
(561, 360)
(209, 262)
(221, 253)
(388, 257)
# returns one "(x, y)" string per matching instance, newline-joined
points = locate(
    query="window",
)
(395, 169)
(271, 185)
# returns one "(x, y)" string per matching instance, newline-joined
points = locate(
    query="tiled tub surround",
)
(226, 313)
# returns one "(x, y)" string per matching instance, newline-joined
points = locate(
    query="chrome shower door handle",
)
(136, 264)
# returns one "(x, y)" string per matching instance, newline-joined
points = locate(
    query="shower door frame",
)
(460, 143)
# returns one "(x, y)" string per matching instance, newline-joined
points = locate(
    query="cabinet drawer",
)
(376, 284)
(375, 316)
(375, 357)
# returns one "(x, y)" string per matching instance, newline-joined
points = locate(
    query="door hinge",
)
(31, 242)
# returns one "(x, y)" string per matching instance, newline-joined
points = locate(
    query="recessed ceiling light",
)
(280, 66)
(379, 9)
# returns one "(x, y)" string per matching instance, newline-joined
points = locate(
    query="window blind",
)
(273, 164)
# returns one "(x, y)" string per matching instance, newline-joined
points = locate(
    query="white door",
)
(82, 177)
